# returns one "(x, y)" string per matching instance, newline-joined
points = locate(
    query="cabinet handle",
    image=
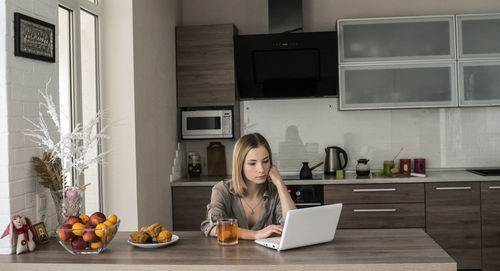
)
(375, 190)
(454, 188)
(374, 210)
(495, 187)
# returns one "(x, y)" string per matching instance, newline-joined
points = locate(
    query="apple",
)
(65, 235)
(73, 219)
(89, 225)
(78, 243)
(97, 218)
(90, 236)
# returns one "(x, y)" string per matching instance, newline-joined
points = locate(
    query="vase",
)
(68, 204)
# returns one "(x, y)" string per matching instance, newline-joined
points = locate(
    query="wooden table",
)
(387, 249)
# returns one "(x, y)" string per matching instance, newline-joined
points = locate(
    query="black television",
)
(289, 65)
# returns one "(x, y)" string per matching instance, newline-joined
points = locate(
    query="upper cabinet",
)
(396, 39)
(205, 66)
(399, 62)
(479, 59)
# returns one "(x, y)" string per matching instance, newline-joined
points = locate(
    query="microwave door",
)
(202, 124)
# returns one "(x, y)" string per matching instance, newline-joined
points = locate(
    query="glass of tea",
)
(227, 231)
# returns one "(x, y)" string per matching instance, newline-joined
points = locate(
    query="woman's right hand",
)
(271, 230)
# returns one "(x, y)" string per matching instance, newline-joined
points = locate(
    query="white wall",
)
(155, 107)
(20, 79)
(117, 75)
(298, 130)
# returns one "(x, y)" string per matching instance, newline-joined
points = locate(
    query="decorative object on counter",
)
(194, 164)
(41, 235)
(87, 234)
(152, 236)
(306, 171)
(333, 159)
(216, 159)
(378, 174)
(339, 174)
(227, 231)
(68, 202)
(419, 165)
(405, 166)
(388, 165)
(362, 168)
(24, 231)
(34, 38)
(65, 154)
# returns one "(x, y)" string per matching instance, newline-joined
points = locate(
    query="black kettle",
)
(333, 159)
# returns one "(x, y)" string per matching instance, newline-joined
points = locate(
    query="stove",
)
(486, 172)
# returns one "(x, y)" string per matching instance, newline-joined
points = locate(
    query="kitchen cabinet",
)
(404, 62)
(378, 205)
(205, 66)
(453, 220)
(479, 59)
(490, 225)
(189, 206)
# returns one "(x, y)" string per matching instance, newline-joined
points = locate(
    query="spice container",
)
(405, 166)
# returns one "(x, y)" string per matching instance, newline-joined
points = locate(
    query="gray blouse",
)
(224, 203)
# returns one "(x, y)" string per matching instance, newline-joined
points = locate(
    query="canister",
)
(388, 164)
(419, 165)
(405, 166)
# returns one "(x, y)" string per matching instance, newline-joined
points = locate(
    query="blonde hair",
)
(241, 149)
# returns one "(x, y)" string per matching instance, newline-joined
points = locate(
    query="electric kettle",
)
(332, 159)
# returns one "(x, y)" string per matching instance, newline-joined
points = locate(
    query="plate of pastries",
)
(152, 236)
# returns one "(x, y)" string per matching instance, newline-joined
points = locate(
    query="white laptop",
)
(304, 227)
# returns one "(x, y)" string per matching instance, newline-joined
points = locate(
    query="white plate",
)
(155, 245)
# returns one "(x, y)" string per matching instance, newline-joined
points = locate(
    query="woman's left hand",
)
(274, 176)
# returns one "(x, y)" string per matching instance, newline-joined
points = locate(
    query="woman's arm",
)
(285, 198)
(271, 230)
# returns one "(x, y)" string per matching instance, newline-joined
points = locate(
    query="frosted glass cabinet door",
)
(390, 39)
(398, 86)
(478, 36)
(479, 83)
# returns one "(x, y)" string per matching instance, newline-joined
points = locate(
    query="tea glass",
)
(227, 231)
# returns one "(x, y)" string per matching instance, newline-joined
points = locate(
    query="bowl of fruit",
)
(87, 234)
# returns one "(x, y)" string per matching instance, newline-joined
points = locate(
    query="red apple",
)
(65, 235)
(90, 236)
(97, 218)
(78, 243)
(73, 219)
(89, 225)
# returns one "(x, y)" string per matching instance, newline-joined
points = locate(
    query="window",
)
(79, 80)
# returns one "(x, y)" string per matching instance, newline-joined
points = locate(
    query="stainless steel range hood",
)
(285, 16)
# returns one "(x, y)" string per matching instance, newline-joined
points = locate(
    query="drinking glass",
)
(227, 231)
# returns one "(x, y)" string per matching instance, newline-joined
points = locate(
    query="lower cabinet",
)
(453, 220)
(490, 224)
(189, 206)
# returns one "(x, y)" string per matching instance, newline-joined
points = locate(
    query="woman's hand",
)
(269, 231)
(274, 176)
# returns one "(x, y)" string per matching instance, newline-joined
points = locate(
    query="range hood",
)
(285, 16)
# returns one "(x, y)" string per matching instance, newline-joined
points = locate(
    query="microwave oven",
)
(205, 124)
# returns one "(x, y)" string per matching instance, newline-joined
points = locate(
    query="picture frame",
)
(34, 38)
(42, 237)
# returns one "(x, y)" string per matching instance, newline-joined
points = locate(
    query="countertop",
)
(368, 249)
(350, 178)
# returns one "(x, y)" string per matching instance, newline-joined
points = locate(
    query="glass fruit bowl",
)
(86, 240)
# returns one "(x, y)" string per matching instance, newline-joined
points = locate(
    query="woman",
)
(256, 195)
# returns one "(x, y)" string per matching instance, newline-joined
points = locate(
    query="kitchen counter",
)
(370, 249)
(350, 178)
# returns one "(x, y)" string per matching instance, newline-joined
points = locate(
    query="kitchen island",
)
(367, 249)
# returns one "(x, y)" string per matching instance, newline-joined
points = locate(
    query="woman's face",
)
(257, 165)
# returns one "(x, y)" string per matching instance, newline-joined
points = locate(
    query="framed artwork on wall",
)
(34, 38)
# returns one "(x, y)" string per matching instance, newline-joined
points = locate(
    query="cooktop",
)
(297, 177)
(486, 172)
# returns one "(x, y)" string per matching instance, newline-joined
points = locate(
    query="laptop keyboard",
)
(274, 240)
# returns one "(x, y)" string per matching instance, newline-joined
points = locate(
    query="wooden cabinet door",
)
(205, 66)
(453, 220)
(490, 223)
(190, 206)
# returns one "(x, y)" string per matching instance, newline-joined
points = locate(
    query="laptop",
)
(304, 227)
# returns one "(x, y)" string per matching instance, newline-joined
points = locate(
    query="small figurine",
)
(25, 241)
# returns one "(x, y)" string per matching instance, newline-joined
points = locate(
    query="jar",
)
(405, 166)
(194, 164)
(362, 168)
(419, 165)
(388, 164)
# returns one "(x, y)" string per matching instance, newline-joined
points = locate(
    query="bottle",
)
(194, 164)
(362, 168)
